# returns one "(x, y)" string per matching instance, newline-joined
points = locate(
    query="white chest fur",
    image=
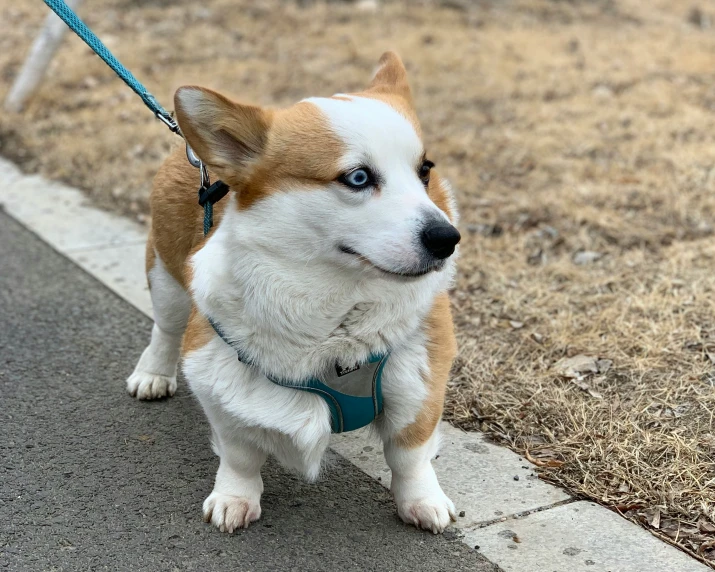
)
(296, 320)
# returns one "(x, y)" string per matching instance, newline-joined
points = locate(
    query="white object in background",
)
(43, 50)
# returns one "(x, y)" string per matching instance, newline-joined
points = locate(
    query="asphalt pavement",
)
(91, 479)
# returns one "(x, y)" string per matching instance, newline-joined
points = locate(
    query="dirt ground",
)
(581, 138)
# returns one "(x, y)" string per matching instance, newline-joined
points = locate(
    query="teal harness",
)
(353, 394)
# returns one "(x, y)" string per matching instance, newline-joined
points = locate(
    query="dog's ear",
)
(227, 136)
(391, 77)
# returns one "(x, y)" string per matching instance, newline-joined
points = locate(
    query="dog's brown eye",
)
(425, 171)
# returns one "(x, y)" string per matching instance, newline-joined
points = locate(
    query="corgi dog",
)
(336, 242)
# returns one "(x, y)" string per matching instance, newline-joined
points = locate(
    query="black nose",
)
(440, 238)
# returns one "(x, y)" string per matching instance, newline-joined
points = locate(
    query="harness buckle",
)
(213, 193)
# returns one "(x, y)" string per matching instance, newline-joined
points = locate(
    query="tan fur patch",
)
(177, 218)
(440, 195)
(198, 333)
(441, 351)
(301, 148)
(391, 78)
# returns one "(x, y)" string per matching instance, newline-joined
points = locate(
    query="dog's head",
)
(343, 180)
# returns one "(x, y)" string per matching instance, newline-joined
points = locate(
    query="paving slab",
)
(61, 215)
(120, 268)
(482, 479)
(578, 537)
(91, 479)
(9, 173)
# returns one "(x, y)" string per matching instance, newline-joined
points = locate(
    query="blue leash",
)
(208, 193)
(80, 28)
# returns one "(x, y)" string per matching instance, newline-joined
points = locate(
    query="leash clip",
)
(170, 122)
(194, 160)
(205, 180)
(208, 193)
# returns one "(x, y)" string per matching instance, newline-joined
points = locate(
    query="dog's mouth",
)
(401, 273)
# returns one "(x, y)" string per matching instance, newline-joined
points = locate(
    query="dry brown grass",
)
(566, 126)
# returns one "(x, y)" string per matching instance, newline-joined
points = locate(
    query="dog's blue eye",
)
(357, 179)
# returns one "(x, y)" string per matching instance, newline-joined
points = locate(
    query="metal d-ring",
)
(199, 164)
(192, 157)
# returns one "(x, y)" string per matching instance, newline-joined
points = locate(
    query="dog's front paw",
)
(434, 512)
(144, 385)
(229, 513)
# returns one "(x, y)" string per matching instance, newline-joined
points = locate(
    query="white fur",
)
(419, 498)
(275, 280)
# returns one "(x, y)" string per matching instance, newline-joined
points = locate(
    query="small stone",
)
(604, 365)
(602, 91)
(516, 477)
(576, 367)
(462, 513)
(370, 6)
(90, 82)
(507, 534)
(476, 547)
(586, 257)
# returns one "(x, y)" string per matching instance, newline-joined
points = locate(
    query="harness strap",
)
(347, 412)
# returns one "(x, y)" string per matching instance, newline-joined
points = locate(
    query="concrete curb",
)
(518, 521)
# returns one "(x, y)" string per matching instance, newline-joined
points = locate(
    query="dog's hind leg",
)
(155, 374)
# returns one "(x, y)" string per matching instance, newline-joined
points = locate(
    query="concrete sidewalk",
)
(92, 479)
(496, 492)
